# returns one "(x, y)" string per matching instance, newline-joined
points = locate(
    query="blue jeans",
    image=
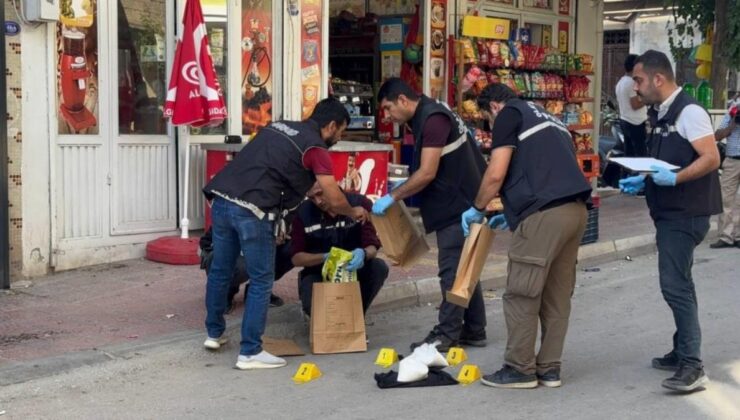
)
(238, 229)
(676, 240)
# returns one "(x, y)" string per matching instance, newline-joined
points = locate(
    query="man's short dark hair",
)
(393, 88)
(629, 62)
(328, 110)
(494, 92)
(654, 62)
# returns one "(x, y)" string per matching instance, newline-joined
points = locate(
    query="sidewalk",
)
(137, 301)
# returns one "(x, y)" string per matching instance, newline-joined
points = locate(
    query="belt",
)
(259, 213)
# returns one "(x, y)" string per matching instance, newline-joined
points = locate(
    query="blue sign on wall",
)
(12, 28)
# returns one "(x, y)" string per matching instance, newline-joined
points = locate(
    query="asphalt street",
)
(619, 322)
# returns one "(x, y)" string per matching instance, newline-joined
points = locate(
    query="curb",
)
(288, 321)
(494, 275)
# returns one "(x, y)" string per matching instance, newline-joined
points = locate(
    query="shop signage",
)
(12, 28)
(485, 27)
(564, 7)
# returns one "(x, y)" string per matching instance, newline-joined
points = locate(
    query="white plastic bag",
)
(411, 370)
(429, 355)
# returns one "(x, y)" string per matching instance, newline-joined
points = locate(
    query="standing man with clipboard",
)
(680, 203)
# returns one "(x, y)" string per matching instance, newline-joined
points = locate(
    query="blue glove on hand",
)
(498, 222)
(632, 185)
(471, 215)
(663, 177)
(357, 261)
(381, 206)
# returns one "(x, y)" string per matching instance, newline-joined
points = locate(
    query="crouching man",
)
(316, 229)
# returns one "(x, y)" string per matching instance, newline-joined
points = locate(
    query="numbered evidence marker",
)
(456, 355)
(306, 372)
(468, 374)
(386, 357)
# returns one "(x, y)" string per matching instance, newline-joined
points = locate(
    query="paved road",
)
(619, 322)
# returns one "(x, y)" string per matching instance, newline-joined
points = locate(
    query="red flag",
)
(194, 96)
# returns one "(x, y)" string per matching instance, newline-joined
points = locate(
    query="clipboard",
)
(642, 164)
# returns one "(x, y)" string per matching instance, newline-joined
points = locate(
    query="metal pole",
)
(4, 212)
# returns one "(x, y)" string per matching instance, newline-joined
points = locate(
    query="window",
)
(142, 83)
(256, 68)
(215, 15)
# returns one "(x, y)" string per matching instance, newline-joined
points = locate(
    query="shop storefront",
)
(110, 177)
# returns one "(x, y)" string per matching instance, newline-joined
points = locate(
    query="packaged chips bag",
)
(335, 267)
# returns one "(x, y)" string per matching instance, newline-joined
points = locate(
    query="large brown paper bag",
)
(472, 260)
(402, 239)
(337, 321)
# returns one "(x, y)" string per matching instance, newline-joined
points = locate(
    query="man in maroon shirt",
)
(316, 229)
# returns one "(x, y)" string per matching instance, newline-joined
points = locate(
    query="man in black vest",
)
(680, 203)
(316, 229)
(534, 168)
(446, 171)
(250, 197)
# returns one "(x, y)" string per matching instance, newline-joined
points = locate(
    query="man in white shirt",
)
(680, 203)
(632, 112)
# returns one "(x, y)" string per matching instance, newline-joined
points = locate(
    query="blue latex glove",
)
(357, 261)
(381, 206)
(498, 222)
(632, 185)
(396, 184)
(663, 177)
(326, 256)
(471, 215)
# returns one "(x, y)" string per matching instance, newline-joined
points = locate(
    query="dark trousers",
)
(676, 241)
(452, 318)
(371, 276)
(635, 139)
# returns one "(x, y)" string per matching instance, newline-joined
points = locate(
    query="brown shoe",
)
(721, 244)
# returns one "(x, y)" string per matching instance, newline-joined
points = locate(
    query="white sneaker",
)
(215, 343)
(263, 360)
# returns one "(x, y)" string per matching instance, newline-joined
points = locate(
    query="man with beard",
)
(680, 204)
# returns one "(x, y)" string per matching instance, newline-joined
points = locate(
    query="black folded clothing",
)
(436, 378)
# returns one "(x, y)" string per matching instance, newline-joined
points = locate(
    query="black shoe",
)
(229, 306)
(721, 244)
(474, 340)
(687, 379)
(668, 362)
(276, 301)
(508, 377)
(444, 342)
(550, 379)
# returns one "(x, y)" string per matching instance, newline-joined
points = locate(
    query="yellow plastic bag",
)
(335, 267)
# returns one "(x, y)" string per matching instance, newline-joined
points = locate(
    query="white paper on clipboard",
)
(642, 164)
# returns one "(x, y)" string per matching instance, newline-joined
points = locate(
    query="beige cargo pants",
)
(542, 275)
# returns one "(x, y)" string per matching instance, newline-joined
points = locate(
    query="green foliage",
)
(692, 17)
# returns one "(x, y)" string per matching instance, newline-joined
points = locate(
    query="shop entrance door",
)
(114, 167)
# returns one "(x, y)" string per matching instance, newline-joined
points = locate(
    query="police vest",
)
(323, 232)
(543, 167)
(268, 172)
(460, 170)
(700, 197)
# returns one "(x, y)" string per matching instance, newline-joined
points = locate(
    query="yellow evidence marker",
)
(468, 374)
(456, 355)
(306, 372)
(386, 357)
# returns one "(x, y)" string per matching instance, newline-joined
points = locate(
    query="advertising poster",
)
(310, 55)
(563, 37)
(256, 74)
(564, 7)
(77, 67)
(437, 48)
(361, 172)
(390, 64)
